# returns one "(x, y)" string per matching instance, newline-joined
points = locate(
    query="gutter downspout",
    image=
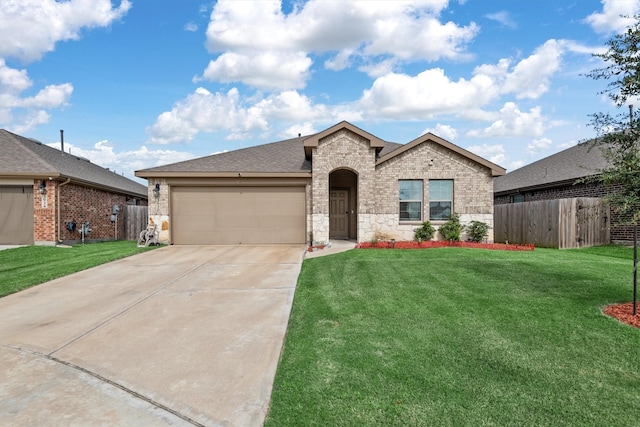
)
(58, 202)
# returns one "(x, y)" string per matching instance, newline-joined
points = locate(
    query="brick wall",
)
(472, 187)
(79, 204)
(378, 202)
(44, 212)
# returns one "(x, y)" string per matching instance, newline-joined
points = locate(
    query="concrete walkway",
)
(182, 335)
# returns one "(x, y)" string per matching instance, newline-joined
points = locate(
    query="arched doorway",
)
(343, 204)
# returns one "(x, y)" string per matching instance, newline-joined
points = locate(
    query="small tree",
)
(477, 231)
(452, 229)
(618, 135)
(425, 233)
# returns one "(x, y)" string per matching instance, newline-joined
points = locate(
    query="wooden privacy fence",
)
(561, 223)
(135, 219)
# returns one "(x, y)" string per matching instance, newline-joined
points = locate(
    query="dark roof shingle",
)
(564, 167)
(23, 156)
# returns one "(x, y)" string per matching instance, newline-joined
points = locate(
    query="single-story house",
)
(555, 177)
(341, 183)
(47, 195)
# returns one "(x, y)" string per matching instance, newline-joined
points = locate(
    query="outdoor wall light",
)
(156, 191)
(42, 188)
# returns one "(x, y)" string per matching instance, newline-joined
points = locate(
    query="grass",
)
(460, 337)
(27, 266)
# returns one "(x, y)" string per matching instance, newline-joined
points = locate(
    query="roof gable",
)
(429, 137)
(313, 140)
(564, 167)
(20, 156)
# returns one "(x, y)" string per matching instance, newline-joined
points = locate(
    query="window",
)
(410, 200)
(440, 199)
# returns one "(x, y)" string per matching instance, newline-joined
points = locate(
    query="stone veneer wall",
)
(159, 209)
(472, 190)
(341, 150)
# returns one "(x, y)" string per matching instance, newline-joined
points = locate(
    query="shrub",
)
(477, 231)
(426, 232)
(452, 229)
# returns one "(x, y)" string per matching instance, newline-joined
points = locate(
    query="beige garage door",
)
(16, 215)
(233, 215)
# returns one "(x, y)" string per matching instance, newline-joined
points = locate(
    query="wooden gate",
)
(135, 220)
(561, 223)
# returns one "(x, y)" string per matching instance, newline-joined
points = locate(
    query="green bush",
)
(477, 231)
(426, 232)
(452, 229)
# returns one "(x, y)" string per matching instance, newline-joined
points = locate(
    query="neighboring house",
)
(555, 177)
(44, 192)
(342, 183)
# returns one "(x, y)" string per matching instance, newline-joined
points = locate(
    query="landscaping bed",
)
(442, 244)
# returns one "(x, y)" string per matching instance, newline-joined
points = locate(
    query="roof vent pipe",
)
(62, 140)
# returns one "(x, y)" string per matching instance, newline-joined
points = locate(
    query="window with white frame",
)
(440, 199)
(411, 200)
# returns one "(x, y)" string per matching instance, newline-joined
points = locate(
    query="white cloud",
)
(511, 122)
(340, 61)
(303, 129)
(205, 111)
(530, 77)
(191, 27)
(504, 18)
(104, 153)
(616, 16)
(30, 28)
(24, 113)
(402, 96)
(494, 153)
(266, 70)
(372, 31)
(537, 145)
(443, 131)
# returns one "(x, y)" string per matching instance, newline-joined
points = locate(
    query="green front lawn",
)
(460, 337)
(27, 266)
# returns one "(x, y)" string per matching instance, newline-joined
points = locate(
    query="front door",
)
(339, 214)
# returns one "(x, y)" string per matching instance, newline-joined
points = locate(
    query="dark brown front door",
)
(339, 214)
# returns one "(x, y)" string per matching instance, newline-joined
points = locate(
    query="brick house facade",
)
(348, 179)
(43, 189)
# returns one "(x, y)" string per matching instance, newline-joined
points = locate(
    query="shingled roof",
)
(283, 157)
(24, 157)
(559, 169)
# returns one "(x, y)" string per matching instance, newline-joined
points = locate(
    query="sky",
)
(141, 83)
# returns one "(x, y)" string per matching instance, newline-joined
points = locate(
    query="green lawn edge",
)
(27, 266)
(459, 337)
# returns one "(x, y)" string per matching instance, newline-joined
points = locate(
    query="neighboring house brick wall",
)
(80, 204)
(473, 188)
(44, 213)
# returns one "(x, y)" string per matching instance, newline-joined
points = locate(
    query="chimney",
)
(62, 140)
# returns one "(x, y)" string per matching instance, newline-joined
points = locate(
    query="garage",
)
(16, 215)
(238, 215)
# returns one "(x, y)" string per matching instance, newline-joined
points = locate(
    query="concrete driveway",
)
(182, 335)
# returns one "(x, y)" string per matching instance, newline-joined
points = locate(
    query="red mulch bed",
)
(442, 244)
(624, 313)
